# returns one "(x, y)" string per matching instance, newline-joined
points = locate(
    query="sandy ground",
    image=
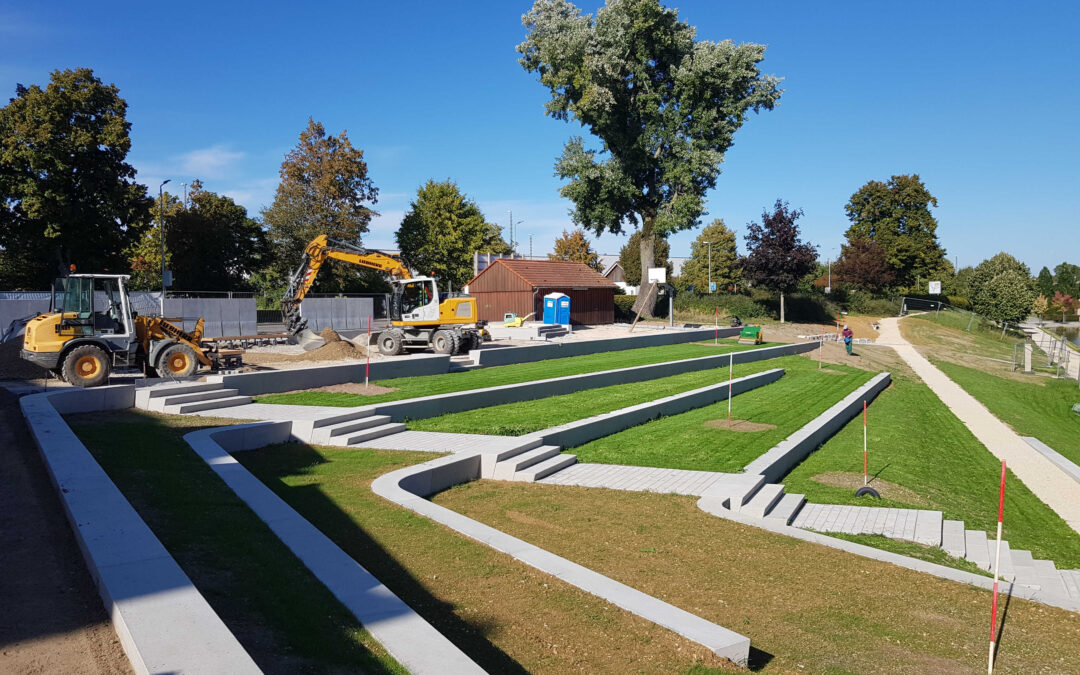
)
(52, 619)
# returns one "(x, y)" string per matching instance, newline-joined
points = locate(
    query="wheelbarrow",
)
(511, 320)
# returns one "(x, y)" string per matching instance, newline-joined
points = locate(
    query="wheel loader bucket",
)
(308, 340)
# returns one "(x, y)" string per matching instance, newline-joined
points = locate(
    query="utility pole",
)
(511, 232)
(709, 244)
(161, 224)
(184, 185)
(530, 246)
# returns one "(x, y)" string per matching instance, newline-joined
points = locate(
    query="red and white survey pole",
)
(997, 563)
(730, 373)
(821, 347)
(865, 481)
(716, 324)
(367, 351)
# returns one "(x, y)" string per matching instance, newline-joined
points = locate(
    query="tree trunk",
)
(781, 307)
(648, 258)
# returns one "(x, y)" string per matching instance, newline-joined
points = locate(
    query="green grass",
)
(917, 443)
(1041, 408)
(430, 385)
(284, 617)
(932, 554)
(514, 419)
(949, 330)
(685, 442)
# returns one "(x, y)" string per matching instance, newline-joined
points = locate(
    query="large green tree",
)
(1066, 276)
(726, 269)
(664, 107)
(324, 189)
(896, 216)
(67, 193)
(863, 264)
(630, 259)
(1045, 282)
(776, 256)
(575, 246)
(442, 230)
(1001, 289)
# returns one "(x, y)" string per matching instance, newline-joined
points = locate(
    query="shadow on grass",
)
(274, 463)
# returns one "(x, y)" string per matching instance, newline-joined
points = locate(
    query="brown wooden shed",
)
(519, 286)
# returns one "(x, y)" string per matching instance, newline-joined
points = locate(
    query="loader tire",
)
(86, 366)
(391, 343)
(179, 360)
(442, 342)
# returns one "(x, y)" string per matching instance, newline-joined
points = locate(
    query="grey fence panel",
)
(230, 316)
(366, 310)
(212, 311)
(346, 314)
(249, 317)
(13, 314)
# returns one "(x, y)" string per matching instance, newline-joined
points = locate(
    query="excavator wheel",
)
(442, 342)
(86, 366)
(391, 342)
(459, 342)
(177, 361)
(476, 341)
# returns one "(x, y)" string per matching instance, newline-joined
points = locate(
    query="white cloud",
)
(212, 162)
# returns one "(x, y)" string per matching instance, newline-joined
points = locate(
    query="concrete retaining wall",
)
(163, 622)
(777, 462)
(274, 381)
(441, 404)
(589, 429)
(410, 639)
(405, 486)
(557, 350)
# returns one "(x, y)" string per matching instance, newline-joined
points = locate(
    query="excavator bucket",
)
(308, 340)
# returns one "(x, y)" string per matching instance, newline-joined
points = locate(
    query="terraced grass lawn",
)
(687, 441)
(514, 419)
(281, 614)
(1041, 408)
(948, 332)
(806, 608)
(917, 443)
(430, 385)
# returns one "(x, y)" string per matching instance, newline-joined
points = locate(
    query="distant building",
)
(519, 286)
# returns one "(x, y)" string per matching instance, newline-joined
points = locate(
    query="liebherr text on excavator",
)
(419, 316)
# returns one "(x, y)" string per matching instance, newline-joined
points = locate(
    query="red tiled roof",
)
(553, 273)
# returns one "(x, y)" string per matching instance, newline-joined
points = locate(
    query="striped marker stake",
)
(865, 481)
(821, 347)
(997, 563)
(731, 370)
(367, 351)
(716, 323)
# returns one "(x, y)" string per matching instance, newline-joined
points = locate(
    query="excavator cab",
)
(415, 299)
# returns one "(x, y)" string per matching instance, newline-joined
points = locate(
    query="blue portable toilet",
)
(554, 312)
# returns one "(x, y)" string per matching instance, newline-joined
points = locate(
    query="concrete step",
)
(545, 468)
(975, 542)
(374, 432)
(762, 502)
(1047, 577)
(318, 430)
(506, 469)
(212, 404)
(335, 433)
(1023, 566)
(1007, 571)
(144, 395)
(161, 402)
(928, 528)
(952, 538)
(1071, 579)
(787, 508)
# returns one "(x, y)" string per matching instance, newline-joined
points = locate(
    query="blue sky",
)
(979, 98)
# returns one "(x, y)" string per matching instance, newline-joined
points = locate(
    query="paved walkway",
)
(636, 478)
(1051, 343)
(1047, 481)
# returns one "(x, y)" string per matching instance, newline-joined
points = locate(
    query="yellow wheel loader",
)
(419, 316)
(91, 328)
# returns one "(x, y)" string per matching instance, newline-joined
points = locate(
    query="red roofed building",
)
(519, 286)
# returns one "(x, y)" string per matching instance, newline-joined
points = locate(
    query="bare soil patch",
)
(854, 481)
(355, 388)
(739, 425)
(335, 349)
(13, 366)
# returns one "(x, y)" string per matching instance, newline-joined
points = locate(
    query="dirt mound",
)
(739, 425)
(854, 481)
(330, 335)
(335, 349)
(13, 366)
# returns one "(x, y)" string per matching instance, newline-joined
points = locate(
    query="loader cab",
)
(91, 305)
(415, 299)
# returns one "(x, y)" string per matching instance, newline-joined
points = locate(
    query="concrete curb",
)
(163, 622)
(405, 634)
(557, 350)
(579, 432)
(985, 583)
(407, 487)
(1059, 460)
(275, 381)
(459, 401)
(777, 462)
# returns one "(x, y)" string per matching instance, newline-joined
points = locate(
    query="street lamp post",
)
(709, 244)
(161, 224)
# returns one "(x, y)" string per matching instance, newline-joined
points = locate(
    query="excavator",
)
(419, 316)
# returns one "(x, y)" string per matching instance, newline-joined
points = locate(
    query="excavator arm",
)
(318, 252)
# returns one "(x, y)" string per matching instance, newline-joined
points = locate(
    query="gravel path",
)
(1047, 481)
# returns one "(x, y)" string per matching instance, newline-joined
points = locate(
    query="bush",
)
(624, 307)
(862, 303)
(704, 306)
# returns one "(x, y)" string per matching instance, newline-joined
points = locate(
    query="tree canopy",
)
(1066, 276)
(777, 258)
(726, 269)
(67, 194)
(1045, 282)
(324, 189)
(575, 246)
(664, 107)
(864, 265)
(630, 259)
(442, 230)
(1002, 289)
(896, 216)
